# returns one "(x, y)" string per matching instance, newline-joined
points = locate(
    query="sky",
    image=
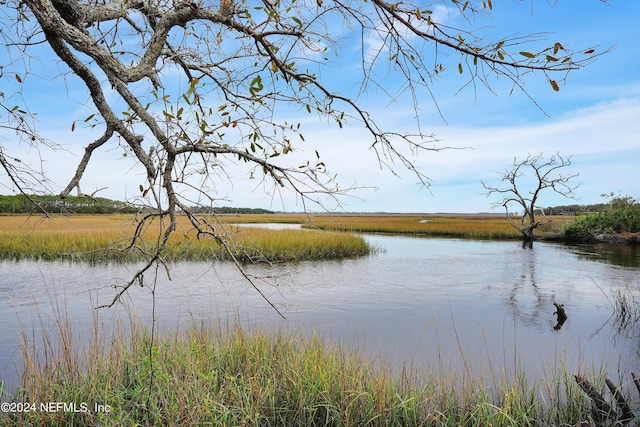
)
(594, 119)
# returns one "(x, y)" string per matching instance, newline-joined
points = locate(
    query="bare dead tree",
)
(185, 87)
(522, 187)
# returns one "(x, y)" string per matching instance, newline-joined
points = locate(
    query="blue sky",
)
(594, 118)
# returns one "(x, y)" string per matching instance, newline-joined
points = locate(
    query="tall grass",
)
(85, 236)
(102, 238)
(216, 376)
(460, 226)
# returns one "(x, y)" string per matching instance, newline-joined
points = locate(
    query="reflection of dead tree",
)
(529, 285)
(603, 413)
(561, 316)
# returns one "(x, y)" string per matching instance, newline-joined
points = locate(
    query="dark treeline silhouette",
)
(72, 204)
(33, 203)
(575, 209)
(225, 210)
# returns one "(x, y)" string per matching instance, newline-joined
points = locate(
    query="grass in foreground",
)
(84, 236)
(265, 378)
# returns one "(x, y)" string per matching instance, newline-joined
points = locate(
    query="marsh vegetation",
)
(109, 238)
(207, 375)
(253, 371)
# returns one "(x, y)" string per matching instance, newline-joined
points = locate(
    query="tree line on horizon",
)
(35, 203)
(20, 204)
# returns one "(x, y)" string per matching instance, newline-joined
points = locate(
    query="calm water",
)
(430, 302)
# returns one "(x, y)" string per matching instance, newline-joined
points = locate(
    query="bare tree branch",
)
(546, 175)
(204, 82)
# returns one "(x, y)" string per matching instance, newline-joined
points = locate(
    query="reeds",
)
(230, 376)
(459, 226)
(97, 238)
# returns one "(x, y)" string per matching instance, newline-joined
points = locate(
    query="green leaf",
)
(256, 85)
(460, 69)
(527, 54)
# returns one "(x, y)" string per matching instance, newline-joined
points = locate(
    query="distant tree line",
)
(572, 209)
(615, 203)
(35, 203)
(228, 210)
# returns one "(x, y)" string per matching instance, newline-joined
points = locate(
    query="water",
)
(423, 302)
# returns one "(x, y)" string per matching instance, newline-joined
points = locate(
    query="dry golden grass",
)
(85, 237)
(461, 226)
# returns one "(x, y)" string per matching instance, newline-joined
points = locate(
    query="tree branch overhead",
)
(190, 85)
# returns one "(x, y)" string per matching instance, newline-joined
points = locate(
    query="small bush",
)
(620, 215)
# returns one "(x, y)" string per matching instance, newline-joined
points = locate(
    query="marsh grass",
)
(213, 375)
(96, 238)
(471, 226)
(460, 226)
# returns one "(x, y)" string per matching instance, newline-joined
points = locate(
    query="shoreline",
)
(606, 238)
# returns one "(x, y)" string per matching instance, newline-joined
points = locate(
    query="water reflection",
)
(621, 255)
(421, 301)
(561, 316)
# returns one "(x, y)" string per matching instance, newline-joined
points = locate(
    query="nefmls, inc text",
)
(79, 407)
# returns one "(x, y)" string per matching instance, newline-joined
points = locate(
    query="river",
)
(422, 302)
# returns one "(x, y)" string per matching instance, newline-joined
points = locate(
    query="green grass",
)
(104, 238)
(99, 238)
(211, 376)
